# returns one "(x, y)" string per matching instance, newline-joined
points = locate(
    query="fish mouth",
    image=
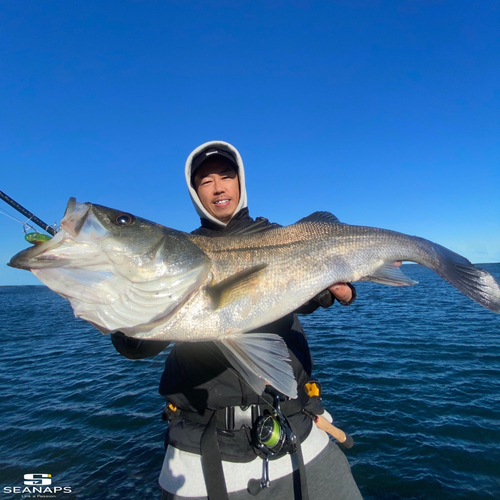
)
(55, 252)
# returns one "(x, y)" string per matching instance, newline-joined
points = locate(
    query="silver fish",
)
(124, 273)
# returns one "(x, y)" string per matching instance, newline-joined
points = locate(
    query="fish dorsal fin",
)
(320, 217)
(261, 358)
(234, 286)
(389, 274)
(261, 224)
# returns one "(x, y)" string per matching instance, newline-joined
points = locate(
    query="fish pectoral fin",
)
(261, 358)
(234, 286)
(389, 274)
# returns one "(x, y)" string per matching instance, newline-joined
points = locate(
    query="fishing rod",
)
(27, 213)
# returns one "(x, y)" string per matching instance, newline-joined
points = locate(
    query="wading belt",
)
(300, 479)
(232, 418)
(211, 462)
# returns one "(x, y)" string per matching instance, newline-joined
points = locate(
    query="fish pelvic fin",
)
(261, 358)
(389, 274)
(234, 286)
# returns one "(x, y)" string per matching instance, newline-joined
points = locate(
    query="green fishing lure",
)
(35, 238)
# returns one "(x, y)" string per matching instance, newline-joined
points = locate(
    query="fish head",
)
(119, 272)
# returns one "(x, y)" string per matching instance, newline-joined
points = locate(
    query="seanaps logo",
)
(37, 479)
(38, 485)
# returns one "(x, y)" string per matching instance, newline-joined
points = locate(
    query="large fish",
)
(124, 273)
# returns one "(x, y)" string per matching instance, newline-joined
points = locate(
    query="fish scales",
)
(304, 259)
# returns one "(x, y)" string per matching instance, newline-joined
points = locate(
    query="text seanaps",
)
(36, 489)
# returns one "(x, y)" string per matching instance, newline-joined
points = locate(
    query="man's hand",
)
(341, 292)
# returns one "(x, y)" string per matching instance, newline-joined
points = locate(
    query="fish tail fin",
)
(472, 281)
(261, 358)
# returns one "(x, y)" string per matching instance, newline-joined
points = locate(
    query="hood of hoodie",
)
(200, 209)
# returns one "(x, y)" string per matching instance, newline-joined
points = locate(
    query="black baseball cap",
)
(211, 152)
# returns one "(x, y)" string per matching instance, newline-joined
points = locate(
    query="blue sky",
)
(384, 113)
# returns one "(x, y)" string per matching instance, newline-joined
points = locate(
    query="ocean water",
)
(413, 374)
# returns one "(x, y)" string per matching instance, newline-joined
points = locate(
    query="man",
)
(211, 442)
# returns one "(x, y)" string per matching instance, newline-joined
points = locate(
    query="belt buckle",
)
(245, 416)
(242, 416)
(239, 416)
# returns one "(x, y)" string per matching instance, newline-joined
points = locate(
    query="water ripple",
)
(413, 374)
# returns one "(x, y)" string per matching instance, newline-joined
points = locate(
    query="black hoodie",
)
(198, 377)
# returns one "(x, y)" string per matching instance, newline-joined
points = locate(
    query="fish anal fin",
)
(235, 286)
(389, 274)
(261, 358)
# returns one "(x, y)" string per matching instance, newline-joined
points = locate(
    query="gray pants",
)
(329, 477)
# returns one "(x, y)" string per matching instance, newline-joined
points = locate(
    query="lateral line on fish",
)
(265, 239)
(216, 251)
(273, 239)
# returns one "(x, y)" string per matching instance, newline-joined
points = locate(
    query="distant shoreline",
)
(12, 286)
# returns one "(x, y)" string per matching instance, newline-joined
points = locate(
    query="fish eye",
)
(124, 220)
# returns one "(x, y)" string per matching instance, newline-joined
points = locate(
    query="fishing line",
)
(28, 214)
(32, 237)
(25, 224)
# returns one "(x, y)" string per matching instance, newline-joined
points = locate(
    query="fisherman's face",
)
(218, 188)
